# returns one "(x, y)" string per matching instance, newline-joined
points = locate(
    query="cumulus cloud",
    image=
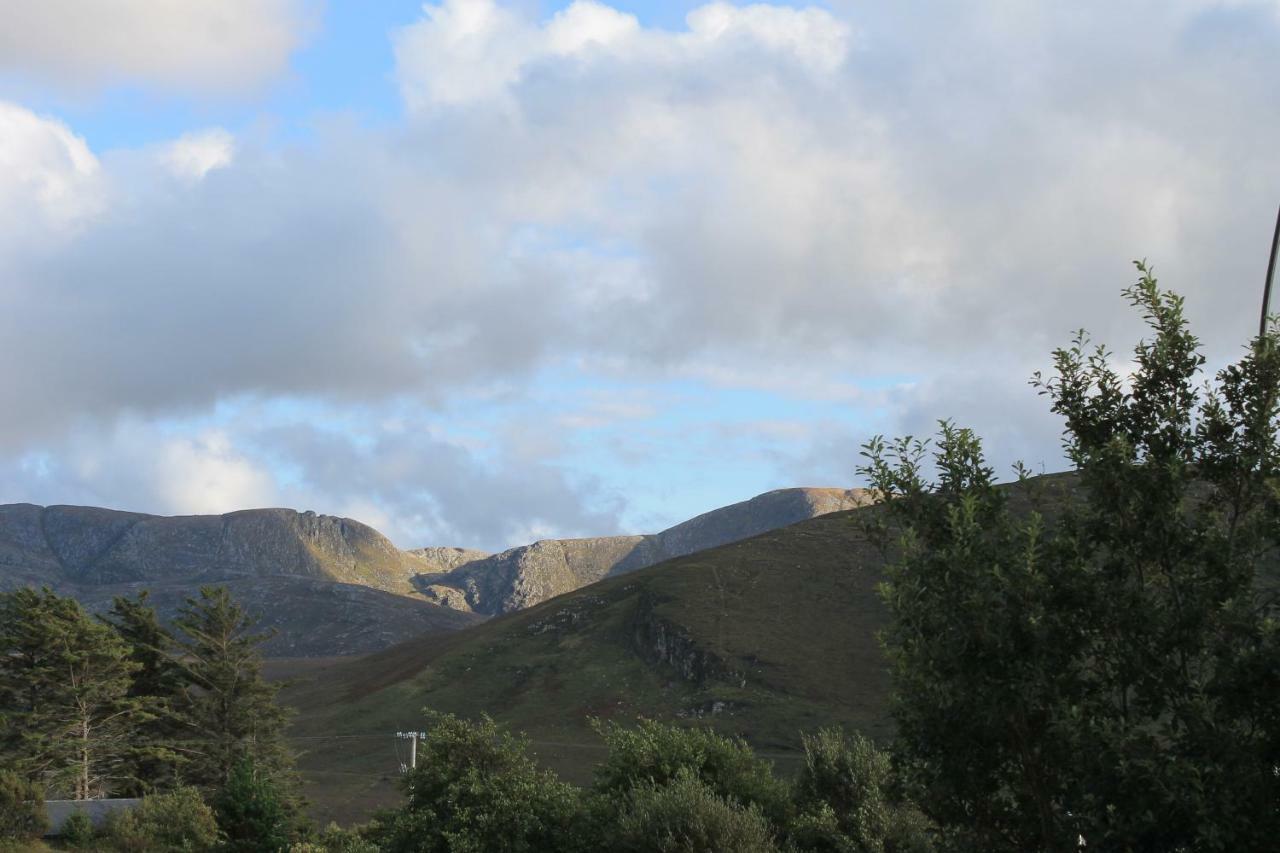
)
(872, 189)
(209, 45)
(49, 179)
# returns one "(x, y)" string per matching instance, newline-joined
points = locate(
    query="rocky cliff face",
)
(524, 576)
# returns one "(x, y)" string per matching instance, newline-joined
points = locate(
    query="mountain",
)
(764, 638)
(524, 576)
(329, 586)
(333, 586)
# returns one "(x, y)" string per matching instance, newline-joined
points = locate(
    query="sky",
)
(480, 272)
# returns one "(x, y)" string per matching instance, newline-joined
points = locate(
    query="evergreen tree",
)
(1106, 668)
(157, 681)
(64, 682)
(227, 710)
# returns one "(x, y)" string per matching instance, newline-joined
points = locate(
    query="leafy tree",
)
(686, 816)
(22, 814)
(251, 812)
(1103, 666)
(653, 753)
(64, 682)
(158, 682)
(475, 790)
(846, 802)
(226, 710)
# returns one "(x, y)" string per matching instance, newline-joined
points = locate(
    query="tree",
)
(22, 814)
(158, 682)
(64, 681)
(227, 710)
(1103, 665)
(476, 790)
(251, 812)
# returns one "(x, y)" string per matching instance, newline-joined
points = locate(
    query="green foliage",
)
(227, 710)
(335, 839)
(685, 815)
(1108, 669)
(846, 803)
(653, 753)
(251, 813)
(65, 712)
(157, 682)
(476, 790)
(22, 814)
(177, 820)
(77, 831)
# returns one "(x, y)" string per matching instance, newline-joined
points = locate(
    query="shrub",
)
(178, 820)
(22, 814)
(77, 831)
(686, 816)
(845, 800)
(476, 789)
(654, 753)
(335, 839)
(251, 813)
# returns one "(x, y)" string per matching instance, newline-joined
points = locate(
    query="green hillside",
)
(763, 638)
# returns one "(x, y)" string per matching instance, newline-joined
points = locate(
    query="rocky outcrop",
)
(659, 641)
(524, 576)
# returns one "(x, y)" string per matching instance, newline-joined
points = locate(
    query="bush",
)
(476, 789)
(846, 803)
(686, 816)
(251, 813)
(655, 753)
(22, 814)
(178, 820)
(77, 831)
(335, 839)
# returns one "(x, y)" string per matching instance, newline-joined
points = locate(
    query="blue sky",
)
(479, 272)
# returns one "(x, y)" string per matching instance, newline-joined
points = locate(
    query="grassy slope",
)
(794, 611)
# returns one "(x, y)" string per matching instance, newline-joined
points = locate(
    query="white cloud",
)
(48, 175)
(194, 155)
(907, 189)
(213, 45)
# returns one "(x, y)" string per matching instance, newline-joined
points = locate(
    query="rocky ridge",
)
(524, 576)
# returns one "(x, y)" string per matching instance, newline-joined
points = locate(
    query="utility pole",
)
(412, 737)
(1271, 273)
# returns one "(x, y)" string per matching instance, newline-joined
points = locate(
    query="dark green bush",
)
(77, 831)
(176, 821)
(686, 816)
(846, 803)
(654, 753)
(251, 813)
(475, 790)
(22, 814)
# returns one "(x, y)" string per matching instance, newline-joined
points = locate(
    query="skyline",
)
(479, 273)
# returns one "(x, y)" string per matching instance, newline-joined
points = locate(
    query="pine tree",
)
(227, 710)
(158, 682)
(64, 683)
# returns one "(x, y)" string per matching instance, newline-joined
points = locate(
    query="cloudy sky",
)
(487, 271)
